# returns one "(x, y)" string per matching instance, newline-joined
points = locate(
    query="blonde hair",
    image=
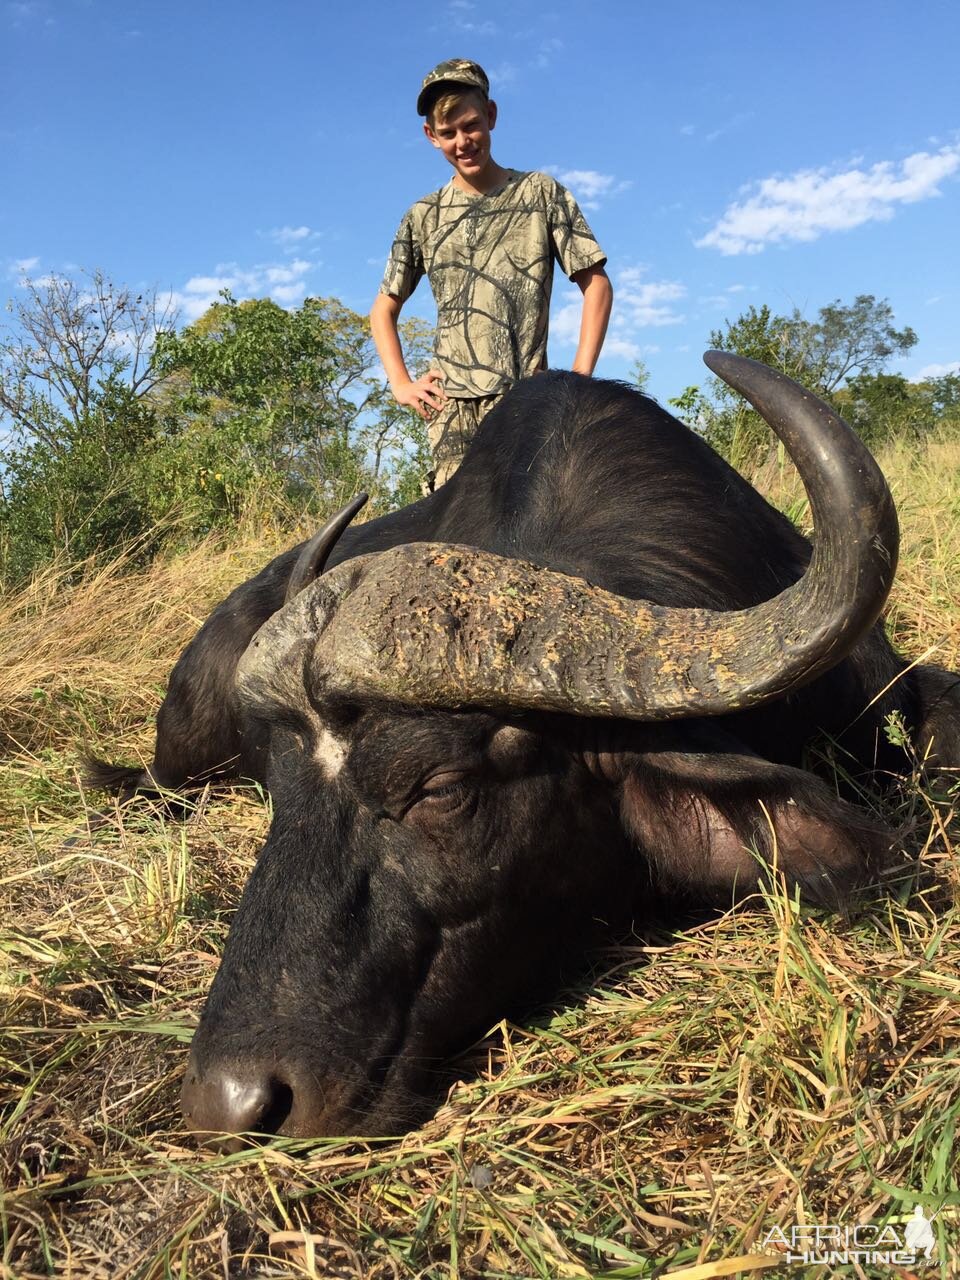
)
(447, 102)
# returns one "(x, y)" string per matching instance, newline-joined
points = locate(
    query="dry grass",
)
(773, 1066)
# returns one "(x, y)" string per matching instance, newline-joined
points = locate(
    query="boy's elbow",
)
(385, 307)
(599, 289)
(595, 280)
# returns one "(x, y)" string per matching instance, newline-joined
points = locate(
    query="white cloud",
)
(805, 205)
(588, 186)
(458, 20)
(288, 274)
(565, 322)
(641, 303)
(624, 347)
(291, 239)
(503, 73)
(936, 371)
(638, 304)
(288, 295)
(286, 235)
(209, 284)
(19, 269)
(285, 282)
(545, 53)
(628, 348)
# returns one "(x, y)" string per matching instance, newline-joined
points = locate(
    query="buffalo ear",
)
(718, 822)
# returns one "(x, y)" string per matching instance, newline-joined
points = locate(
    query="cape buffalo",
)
(587, 665)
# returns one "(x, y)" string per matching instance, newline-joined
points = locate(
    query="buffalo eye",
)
(443, 794)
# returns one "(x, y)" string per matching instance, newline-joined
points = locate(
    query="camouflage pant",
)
(451, 430)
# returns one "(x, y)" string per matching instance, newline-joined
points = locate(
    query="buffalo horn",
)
(448, 626)
(315, 553)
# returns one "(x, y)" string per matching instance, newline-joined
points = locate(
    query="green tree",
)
(291, 401)
(389, 441)
(240, 394)
(944, 395)
(115, 423)
(852, 341)
(729, 424)
(693, 408)
(85, 493)
(885, 406)
(75, 377)
(844, 343)
(640, 373)
(70, 339)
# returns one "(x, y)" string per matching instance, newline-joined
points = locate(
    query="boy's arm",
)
(594, 284)
(424, 394)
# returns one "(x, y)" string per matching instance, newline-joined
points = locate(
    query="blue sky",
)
(724, 154)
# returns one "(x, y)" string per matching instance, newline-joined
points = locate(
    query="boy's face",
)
(464, 135)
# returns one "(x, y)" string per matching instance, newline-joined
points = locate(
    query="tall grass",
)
(718, 1077)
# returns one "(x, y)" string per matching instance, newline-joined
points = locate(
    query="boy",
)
(486, 242)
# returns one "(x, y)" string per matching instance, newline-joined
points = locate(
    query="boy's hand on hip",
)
(425, 395)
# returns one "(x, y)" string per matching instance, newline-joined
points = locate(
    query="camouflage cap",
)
(453, 71)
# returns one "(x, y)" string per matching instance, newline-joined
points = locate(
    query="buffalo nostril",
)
(278, 1108)
(220, 1102)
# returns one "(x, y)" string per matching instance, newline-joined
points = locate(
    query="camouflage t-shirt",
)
(489, 259)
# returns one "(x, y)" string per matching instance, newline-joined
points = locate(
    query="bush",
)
(126, 432)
